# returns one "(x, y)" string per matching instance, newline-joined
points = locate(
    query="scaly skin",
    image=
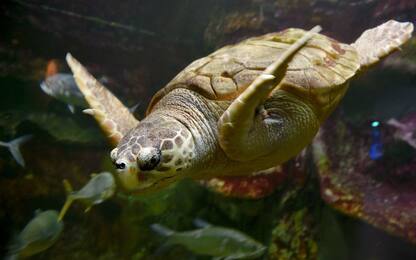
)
(188, 116)
(183, 134)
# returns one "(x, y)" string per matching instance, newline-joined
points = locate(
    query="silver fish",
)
(218, 242)
(101, 187)
(14, 148)
(37, 236)
(63, 87)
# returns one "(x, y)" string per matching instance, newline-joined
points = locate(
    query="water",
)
(333, 201)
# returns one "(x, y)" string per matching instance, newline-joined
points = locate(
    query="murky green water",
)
(349, 195)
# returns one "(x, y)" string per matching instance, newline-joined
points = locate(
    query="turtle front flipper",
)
(113, 117)
(236, 125)
(378, 42)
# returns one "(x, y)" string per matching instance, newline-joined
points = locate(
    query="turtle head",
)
(153, 154)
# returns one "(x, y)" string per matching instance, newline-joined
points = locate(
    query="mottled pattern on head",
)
(174, 142)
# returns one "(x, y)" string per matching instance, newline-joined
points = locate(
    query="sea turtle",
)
(244, 108)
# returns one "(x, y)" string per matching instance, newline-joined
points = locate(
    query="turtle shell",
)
(317, 72)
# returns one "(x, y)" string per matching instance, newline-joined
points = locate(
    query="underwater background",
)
(350, 195)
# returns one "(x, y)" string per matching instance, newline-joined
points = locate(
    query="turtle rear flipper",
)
(378, 42)
(113, 117)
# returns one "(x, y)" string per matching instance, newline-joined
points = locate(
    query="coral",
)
(381, 192)
(260, 184)
(252, 187)
(293, 236)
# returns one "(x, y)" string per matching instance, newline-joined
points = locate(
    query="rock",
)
(380, 192)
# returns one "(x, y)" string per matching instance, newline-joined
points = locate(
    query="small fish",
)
(218, 242)
(101, 187)
(405, 129)
(37, 236)
(376, 147)
(14, 148)
(63, 87)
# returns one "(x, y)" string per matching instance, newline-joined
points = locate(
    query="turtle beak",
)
(127, 174)
(132, 170)
(129, 178)
(134, 181)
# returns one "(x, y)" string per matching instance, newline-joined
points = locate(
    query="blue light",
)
(375, 123)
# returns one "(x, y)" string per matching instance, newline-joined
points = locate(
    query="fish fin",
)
(71, 108)
(87, 209)
(162, 230)
(45, 88)
(14, 148)
(200, 223)
(65, 207)
(67, 186)
(37, 212)
(69, 199)
(12, 257)
(104, 80)
(14, 246)
(134, 108)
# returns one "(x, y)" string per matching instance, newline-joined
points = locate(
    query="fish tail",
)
(69, 199)
(13, 248)
(200, 223)
(134, 108)
(14, 148)
(162, 230)
(71, 108)
(11, 257)
(45, 88)
(67, 186)
(65, 207)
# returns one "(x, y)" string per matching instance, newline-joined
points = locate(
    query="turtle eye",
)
(149, 159)
(120, 166)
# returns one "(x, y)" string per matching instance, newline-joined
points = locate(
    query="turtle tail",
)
(378, 42)
(14, 147)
